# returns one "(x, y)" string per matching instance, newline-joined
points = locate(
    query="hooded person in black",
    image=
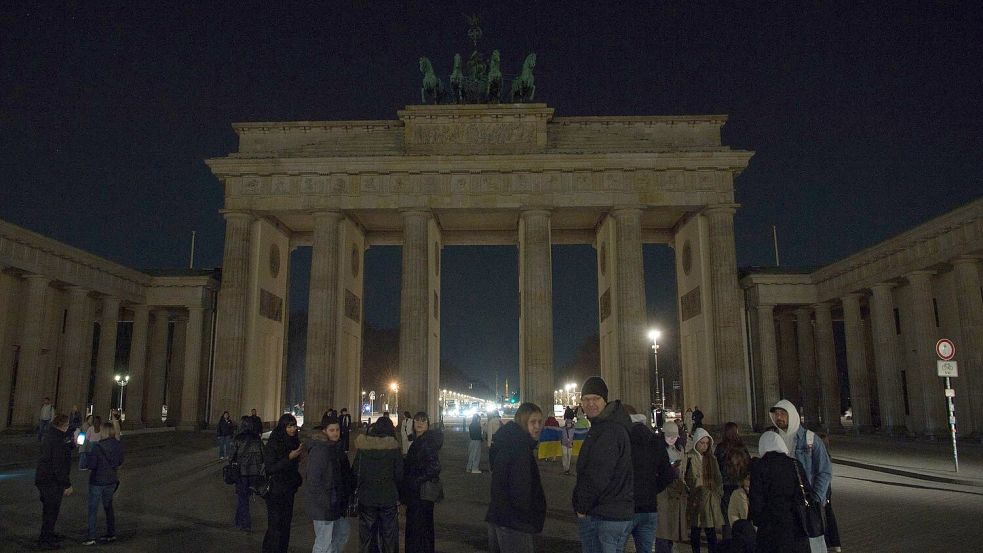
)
(281, 457)
(52, 478)
(652, 474)
(518, 503)
(603, 497)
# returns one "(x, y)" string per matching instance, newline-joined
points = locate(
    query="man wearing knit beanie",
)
(603, 497)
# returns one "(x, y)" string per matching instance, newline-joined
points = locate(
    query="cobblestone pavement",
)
(172, 499)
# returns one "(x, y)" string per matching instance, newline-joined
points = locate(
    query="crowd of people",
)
(654, 486)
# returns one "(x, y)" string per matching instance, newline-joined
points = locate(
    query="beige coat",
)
(672, 522)
(703, 509)
(737, 507)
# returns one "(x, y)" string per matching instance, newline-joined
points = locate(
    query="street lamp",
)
(654, 335)
(395, 388)
(122, 381)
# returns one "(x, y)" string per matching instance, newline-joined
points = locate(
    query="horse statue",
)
(523, 87)
(432, 87)
(493, 91)
(457, 80)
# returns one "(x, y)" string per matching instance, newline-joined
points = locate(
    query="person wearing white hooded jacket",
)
(805, 446)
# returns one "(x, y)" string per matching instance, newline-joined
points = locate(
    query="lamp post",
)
(654, 335)
(395, 388)
(121, 381)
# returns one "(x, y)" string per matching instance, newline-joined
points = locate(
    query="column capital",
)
(77, 290)
(415, 214)
(720, 209)
(106, 298)
(621, 210)
(237, 215)
(535, 212)
(763, 306)
(921, 273)
(329, 214)
(883, 285)
(821, 306)
(140, 307)
(853, 296)
(197, 308)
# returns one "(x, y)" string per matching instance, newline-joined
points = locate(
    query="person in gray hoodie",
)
(328, 487)
(379, 471)
(603, 497)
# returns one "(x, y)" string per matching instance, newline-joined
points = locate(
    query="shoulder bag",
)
(432, 490)
(807, 512)
(231, 472)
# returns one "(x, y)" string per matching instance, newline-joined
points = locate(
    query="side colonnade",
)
(71, 321)
(861, 333)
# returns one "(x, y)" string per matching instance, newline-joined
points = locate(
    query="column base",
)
(192, 426)
(894, 431)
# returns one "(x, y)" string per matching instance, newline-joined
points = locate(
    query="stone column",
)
(856, 356)
(414, 315)
(536, 312)
(726, 318)
(789, 361)
(191, 415)
(632, 345)
(322, 314)
(157, 370)
(829, 382)
(771, 392)
(73, 386)
(970, 351)
(925, 334)
(231, 329)
(174, 382)
(29, 389)
(889, 389)
(102, 395)
(6, 352)
(807, 363)
(137, 366)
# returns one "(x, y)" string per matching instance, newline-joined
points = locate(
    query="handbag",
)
(232, 471)
(807, 512)
(432, 490)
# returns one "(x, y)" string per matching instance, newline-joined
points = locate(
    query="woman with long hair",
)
(281, 457)
(706, 488)
(734, 462)
(247, 450)
(422, 465)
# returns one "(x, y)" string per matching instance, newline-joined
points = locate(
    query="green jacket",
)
(379, 469)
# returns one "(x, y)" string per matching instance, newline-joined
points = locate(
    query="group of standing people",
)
(100, 453)
(371, 486)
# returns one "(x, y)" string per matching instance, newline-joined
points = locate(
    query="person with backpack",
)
(329, 487)
(247, 452)
(106, 456)
(379, 470)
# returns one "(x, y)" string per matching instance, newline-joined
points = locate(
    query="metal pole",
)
(774, 237)
(952, 422)
(655, 349)
(191, 263)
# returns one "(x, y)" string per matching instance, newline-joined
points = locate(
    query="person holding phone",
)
(281, 458)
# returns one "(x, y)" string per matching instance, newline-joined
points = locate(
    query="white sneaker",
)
(476, 472)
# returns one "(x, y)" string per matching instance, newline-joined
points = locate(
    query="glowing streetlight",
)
(395, 388)
(121, 381)
(654, 335)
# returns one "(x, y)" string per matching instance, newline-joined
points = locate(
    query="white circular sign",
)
(945, 349)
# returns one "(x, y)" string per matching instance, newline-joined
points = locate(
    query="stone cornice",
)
(34, 253)
(958, 232)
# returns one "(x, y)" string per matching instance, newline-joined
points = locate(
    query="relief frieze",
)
(479, 133)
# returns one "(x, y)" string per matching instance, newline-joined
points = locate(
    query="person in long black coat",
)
(52, 478)
(281, 458)
(422, 464)
(774, 493)
(517, 510)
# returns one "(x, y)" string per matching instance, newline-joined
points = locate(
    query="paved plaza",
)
(172, 499)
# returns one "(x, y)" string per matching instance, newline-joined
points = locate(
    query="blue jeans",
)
(643, 530)
(330, 536)
(104, 495)
(602, 536)
(474, 455)
(224, 446)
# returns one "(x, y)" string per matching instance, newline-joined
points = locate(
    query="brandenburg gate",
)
(471, 175)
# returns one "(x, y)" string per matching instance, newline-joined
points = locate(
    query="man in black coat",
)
(603, 497)
(697, 419)
(652, 473)
(518, 504)
(52, 478)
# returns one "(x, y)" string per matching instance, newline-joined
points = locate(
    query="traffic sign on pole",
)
(945, 349)
(947, 369)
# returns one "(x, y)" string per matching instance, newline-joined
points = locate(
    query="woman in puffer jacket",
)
(379, 470)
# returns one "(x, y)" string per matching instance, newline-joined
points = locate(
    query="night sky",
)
(866, 122)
